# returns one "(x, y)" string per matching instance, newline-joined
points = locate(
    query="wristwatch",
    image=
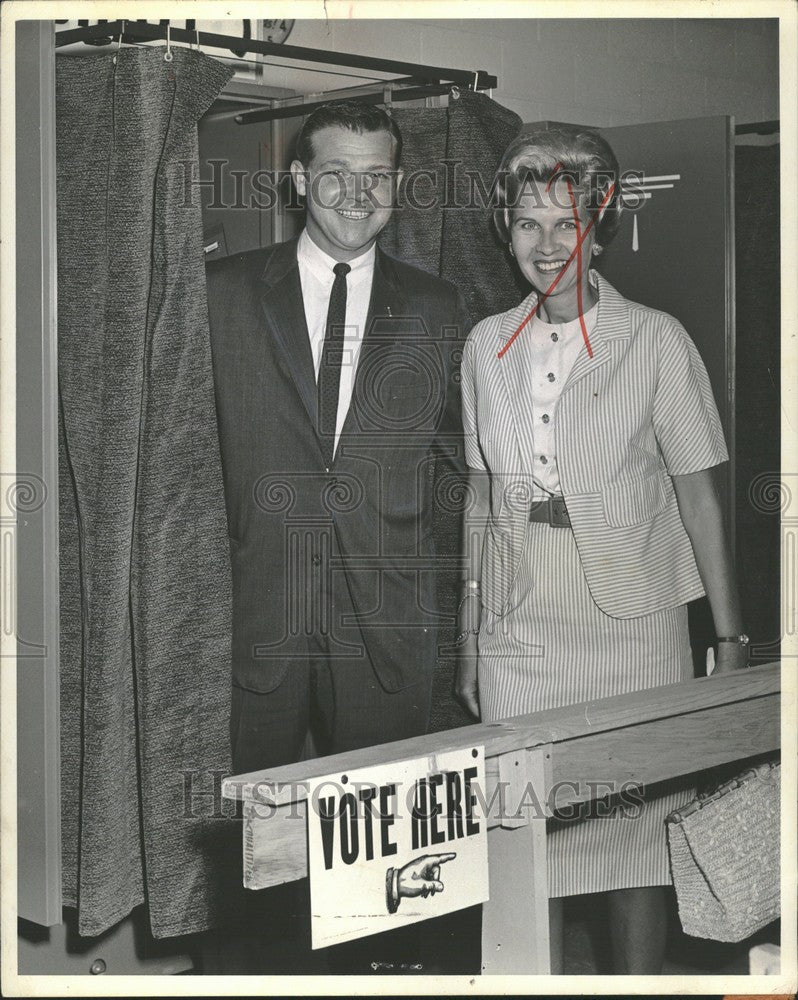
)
(743, 639)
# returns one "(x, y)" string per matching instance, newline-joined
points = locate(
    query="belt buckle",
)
(558, 513)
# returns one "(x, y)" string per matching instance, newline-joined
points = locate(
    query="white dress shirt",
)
(554, 348)
(316, 276)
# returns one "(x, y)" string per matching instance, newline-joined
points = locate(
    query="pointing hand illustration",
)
(419, 877)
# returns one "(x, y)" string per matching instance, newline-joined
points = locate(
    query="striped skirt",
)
(556, 647)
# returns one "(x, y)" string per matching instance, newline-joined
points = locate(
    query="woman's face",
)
(544, 234)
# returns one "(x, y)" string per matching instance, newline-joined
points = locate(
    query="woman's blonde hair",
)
(546, 153)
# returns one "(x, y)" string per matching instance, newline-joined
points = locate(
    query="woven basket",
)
(724, 850)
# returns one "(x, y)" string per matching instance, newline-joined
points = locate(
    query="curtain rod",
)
(295, 110)
(136, 31)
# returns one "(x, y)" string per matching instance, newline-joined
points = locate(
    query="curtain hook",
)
(168, 57)
(119, 42)
(454, 92)
(196, 32)
(476, 81)
(387, 94)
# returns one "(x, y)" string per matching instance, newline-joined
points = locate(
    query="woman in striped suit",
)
(591, 434)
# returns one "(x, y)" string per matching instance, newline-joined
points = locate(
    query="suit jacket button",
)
(316, 560)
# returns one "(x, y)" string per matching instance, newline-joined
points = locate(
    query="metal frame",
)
(305, 108)
(771, 127)
(38, 718)
(731, 346)
(138, 31)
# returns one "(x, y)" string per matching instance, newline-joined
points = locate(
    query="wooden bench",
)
(640, 738)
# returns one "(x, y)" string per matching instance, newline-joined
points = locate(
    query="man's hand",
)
(466, 689)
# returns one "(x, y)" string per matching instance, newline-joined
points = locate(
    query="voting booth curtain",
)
(145, 584)
(444, 224)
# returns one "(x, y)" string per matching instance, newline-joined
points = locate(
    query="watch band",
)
(742, 639)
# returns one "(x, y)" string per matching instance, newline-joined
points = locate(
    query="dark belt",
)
(551, 511)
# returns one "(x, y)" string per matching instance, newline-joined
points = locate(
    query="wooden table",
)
(640, 738)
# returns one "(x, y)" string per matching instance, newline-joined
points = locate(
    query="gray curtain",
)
(444, 225)
(145, 579)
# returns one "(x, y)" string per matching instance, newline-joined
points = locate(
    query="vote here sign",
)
(395, 844)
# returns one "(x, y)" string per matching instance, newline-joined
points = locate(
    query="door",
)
(676, 253)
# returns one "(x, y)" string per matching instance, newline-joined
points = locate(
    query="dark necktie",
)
(331, 358)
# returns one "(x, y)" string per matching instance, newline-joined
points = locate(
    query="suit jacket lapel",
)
(612, 321)
(387, 297)
(387, 301)
(284, 311)
(515, 368)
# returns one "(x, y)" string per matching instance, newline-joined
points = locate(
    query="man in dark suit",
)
(338, 403)
(337, 393)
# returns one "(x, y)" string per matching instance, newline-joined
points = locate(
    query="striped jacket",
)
(638, 412)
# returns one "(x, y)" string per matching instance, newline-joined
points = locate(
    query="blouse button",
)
(550, 376)
(554, 337)
(543, 460)
(545, 418)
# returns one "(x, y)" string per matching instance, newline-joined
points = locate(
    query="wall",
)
(593, 72)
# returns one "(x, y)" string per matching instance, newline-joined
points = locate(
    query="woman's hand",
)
(702, 516)
(465, 686)
(469, 612)
(730, 656)
(469, 615)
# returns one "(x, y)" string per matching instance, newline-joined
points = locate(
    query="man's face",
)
(349, 188)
